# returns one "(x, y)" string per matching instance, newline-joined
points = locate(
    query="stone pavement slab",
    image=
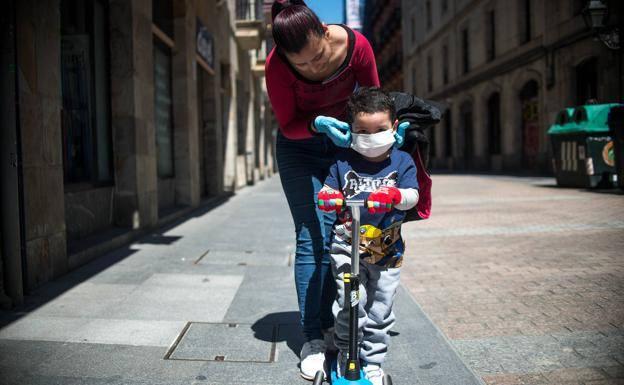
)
(142, 314)
(175, 297)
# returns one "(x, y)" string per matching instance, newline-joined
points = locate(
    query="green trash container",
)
(583, 152)
(616, 124)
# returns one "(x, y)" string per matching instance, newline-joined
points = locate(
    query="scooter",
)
(354, 375)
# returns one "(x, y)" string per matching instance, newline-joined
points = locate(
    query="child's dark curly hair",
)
(370, 100)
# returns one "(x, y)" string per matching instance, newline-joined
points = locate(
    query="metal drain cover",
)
(229, 342)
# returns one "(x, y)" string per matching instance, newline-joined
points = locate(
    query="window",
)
(162, 17)
(494, 125)
(587, 81)
(445, 64)
(163, 109)
(428, 13)
(578, 6)
(491, 35)
(429, 73)
(465, 42)
(526, 14)
(85, 88)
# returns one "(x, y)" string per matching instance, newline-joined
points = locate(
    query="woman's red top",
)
(297, 101)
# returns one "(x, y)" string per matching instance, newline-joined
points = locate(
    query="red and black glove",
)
(330, 200)
(383, 199)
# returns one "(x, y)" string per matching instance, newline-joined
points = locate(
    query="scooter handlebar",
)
(355, 202)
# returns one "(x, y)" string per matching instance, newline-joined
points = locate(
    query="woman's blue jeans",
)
(303, 166)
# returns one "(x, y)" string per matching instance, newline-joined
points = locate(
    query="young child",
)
(374, 170)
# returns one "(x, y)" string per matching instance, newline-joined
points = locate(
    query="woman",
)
(310, 74)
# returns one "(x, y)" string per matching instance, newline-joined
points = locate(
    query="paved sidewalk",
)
(526, 279)
(209, 300)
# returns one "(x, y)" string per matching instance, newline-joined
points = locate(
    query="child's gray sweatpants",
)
(377, 291)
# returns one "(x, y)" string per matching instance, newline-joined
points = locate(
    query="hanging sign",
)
(205, 44)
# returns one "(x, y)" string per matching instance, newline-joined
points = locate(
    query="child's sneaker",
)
(312, 358)
(374, 373)
(328, 337)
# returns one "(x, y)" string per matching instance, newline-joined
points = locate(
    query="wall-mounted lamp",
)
(596, 16)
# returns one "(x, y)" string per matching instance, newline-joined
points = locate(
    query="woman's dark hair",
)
(370, 100)
(293, 22)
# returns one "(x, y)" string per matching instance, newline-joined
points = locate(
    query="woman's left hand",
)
(399, 134)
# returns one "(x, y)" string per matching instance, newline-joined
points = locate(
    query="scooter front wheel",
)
(318, 378)
(387, 380)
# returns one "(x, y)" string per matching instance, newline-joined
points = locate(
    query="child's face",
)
(365, 123)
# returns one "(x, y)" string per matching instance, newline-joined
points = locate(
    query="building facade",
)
(119, 116)
(505, 68)
(382, 28)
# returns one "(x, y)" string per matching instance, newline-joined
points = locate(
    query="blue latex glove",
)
(337, 130)
(399, 134)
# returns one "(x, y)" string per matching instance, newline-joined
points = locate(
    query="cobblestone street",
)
(525, 279)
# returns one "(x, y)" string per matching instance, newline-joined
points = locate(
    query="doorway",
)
(529, 108)
(209, 135)
(465, 113)
(12, 246)
(587, 81)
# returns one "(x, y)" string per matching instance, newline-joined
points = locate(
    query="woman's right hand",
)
(338, 131)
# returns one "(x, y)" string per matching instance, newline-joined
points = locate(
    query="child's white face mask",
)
(372, 145)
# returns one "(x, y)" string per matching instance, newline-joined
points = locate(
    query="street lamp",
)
(596, 15)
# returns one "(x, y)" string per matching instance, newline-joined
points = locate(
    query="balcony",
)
(249, 24)
(258, 67)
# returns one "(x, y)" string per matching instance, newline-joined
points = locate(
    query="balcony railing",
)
(249, 10)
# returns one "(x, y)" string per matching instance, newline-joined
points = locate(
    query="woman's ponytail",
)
(293, 22)
(280, 5)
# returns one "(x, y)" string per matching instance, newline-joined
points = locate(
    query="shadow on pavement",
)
(52, 289)
(518, 174)
(597, 190)
(288, 329)
(158, 239)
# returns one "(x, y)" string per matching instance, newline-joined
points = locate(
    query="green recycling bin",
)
(616, 124)
(583, 149)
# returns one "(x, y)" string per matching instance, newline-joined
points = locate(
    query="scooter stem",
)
(352, 371)
(355, 234)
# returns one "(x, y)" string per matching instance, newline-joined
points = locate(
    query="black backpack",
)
(421, 115)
